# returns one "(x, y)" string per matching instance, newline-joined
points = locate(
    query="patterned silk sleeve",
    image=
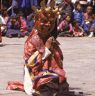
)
(38, 43)
(33, 44)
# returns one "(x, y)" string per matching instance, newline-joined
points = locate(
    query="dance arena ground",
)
(79, 64)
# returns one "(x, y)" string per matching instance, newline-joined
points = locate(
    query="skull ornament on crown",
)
(45, 17)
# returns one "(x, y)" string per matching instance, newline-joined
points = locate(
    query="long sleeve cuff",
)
(46, 53)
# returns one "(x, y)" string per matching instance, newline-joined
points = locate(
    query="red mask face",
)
(43, 24)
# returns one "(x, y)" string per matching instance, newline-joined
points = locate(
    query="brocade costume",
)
(44, 73)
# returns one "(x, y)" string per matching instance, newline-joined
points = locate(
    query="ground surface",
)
(79, 64)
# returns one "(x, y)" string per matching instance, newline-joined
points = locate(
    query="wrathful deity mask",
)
(45, 17)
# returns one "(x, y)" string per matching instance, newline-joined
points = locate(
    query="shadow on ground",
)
(9, 45)
(78, 92)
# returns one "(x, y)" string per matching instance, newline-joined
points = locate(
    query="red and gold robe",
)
(41, 71)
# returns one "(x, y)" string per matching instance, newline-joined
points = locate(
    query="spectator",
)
(13, 28)
(77, 30)
(88, 19)
(14, 7)
(2, 22)
(83, 4)
(67, 7)
(30, 22)
(65, 27)
(23, 25)
(78, 14)
(25, 6)
(92, 29)
(93, 3)
(6, 3)
(5, 16)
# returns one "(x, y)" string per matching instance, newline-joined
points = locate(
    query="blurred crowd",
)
(76, 18)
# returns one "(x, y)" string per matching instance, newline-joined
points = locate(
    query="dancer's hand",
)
(49, 42)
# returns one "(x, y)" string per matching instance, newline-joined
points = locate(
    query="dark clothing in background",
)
(67, 9)
(54, 31)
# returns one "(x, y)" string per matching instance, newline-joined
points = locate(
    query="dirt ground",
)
(79, 64)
